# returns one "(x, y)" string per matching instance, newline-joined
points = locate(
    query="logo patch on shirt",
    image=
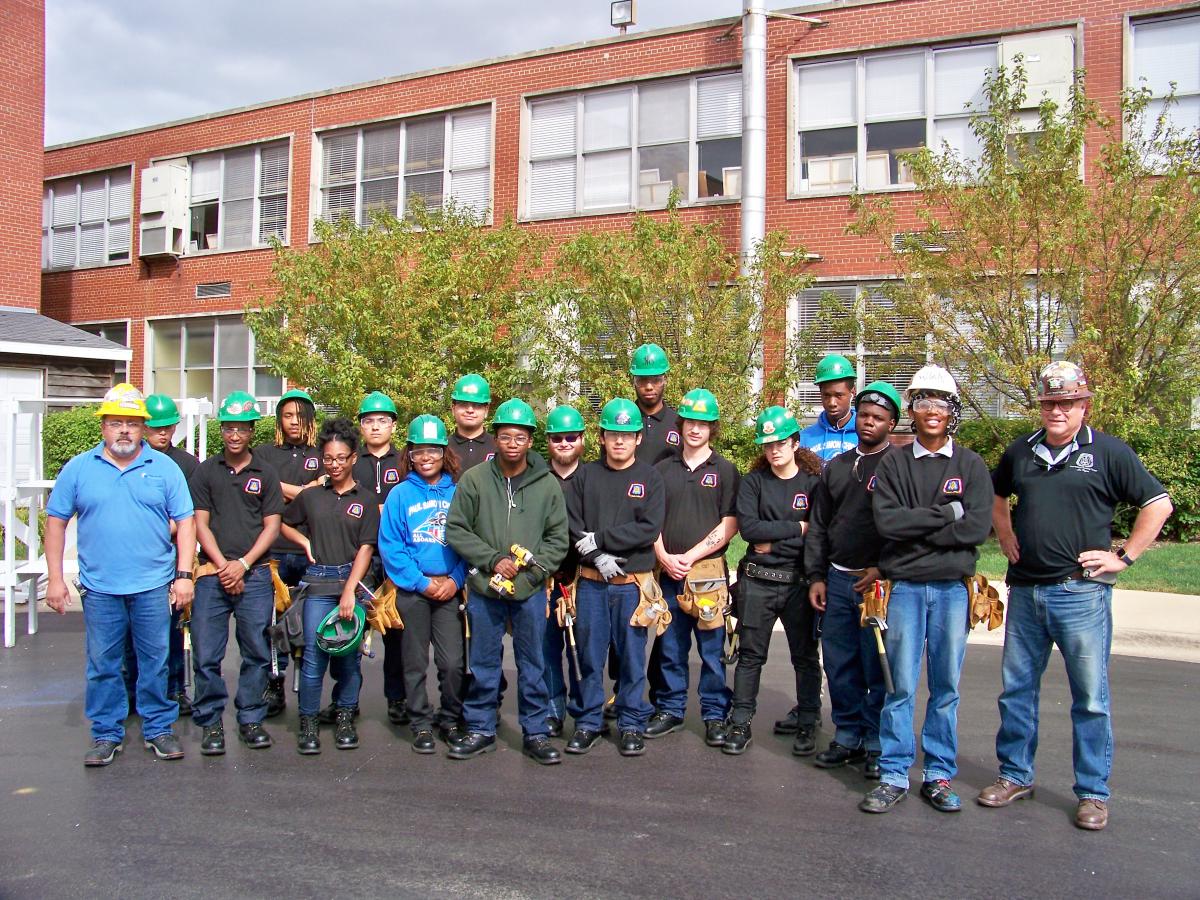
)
(253, 486)
(432, 530)
(673, 438)
(800, 501)
(953, 486)
(1084, 462)
(310, 464)
(355, 509)
(709, 480)
(637, 489)
(871, 484)
(391, 476)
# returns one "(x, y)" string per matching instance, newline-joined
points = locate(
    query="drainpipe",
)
(754, 144)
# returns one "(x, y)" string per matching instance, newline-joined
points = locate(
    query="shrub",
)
(66, 434)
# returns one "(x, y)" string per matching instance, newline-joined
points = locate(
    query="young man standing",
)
(841, 557)
(1068, 480)
(377, 471)
(660, 437)
(933, 508)
(833, 432)
(510, 500)
(469, 403)
(700, 488)
(616, 512)
(239, 506)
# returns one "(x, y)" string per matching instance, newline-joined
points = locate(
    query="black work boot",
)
(804, 744)
(329, 714)
(345, 735)
(737, 739)
(789, 723)
(276, 696)
(308, 739)
(212, 743)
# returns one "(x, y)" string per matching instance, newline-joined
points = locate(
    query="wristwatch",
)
(186, 576)
(1125, 558)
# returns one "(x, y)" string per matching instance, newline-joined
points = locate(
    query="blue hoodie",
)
(412, 534)
(827, 440)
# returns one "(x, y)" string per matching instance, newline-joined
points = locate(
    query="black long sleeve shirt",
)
(770, 510)
(623, 508)
(841, 528)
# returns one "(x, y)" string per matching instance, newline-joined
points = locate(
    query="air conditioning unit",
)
(1049, 60)
(163, 213)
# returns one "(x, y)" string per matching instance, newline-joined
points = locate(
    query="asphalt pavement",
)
(683, 820)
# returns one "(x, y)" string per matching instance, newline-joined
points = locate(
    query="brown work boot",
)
(1091, 814)
(1003, 792)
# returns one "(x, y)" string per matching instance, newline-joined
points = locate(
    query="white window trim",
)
(1129, 26)
(77, 180)
(149, 363)
(256, 198)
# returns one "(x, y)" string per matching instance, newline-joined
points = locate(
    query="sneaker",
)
(308, 738)
(345, 737)
(101, 753)
(882, 798)
(185, 705)
(737, 739)
(165, 746)
(276, 696)
(839, 755)
(397, 712)
(941, 795)
(212, 742)
(804, 744)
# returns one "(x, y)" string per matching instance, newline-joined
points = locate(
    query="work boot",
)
(837, 756)
(101, 753)
(254, 736)
(539, 749)
(941, 795)
(328, 715)
(276, 696)
(804, 744)
(871, 770)
(308, 738)
(632, 744)
(737, 739)
(882, 798)
(397, 712)
(212, 741)
(345, 736)
(582, 741)
(473, 743)
(448, 734)
(789, 723)
(423, 742)
(1002, 792)
(662, 723)
(185, 705)
(1091, 814)
(714, 732)
(165, 746)
(554, 726)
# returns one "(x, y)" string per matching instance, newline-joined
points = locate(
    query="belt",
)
(763, 573)
(1077, 575)
(593, 575)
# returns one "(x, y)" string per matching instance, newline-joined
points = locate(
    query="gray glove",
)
(609, 566)
(957, 509)
(586, 544)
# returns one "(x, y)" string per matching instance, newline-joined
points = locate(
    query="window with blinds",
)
(239, 197)
(85, 220)
(207, 356)
(433, 160)
(1166, 51)
(631, 147)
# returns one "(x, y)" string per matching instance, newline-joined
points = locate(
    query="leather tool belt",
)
(593, 575)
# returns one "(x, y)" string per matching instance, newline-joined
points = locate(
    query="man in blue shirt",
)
(833, 433)
(126, 495)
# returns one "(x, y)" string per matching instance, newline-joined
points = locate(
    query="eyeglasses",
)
(376, 421)
(336, 460)
(649, 380)
(931, 404)
(563, 438)
(513, 440)
(426, 453)
(237, 429)
(1064, 405)
(122, 424)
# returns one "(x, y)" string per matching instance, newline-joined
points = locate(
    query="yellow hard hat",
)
(124, 400)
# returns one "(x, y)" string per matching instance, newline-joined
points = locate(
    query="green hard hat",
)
(649, 359)
(877, 389)
(377, 402)
(162, 410)
(296, 394)
(834, 367)
(620, 415)
(514, 412)
(564, 420)
(427, 430)
(699, 404)
(775, 424)
(472, 389)
(341, 637)
(239, 407)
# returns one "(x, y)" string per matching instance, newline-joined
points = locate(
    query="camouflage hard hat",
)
(1062, 380)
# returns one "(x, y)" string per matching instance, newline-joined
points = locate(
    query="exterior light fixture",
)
(623, 13)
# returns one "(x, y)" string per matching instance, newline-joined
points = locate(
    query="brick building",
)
(155, 238)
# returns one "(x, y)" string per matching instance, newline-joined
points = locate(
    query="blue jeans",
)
(346, 670)
(291, 570)
(676, 642)
(175, 675)
(107, 620)
(251, 610)
(852, 666)
(1077, 616)
(604, 612)
(489, 618)
(924, 618)
(563, 691)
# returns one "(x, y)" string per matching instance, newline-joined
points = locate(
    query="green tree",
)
(404, 307)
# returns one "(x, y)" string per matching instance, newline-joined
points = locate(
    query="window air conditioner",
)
(163, 213)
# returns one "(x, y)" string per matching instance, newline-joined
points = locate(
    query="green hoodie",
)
(483, 524)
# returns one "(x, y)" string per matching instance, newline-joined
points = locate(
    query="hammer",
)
(879, 626)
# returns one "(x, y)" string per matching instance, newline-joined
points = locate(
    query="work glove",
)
(586, 544)
(609, 566)
(957, 509)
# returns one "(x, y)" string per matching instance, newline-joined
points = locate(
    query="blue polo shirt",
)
(125, 544)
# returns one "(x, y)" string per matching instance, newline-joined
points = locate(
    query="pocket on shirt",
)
(149, 490)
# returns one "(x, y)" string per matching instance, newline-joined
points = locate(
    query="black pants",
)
(427, 621)
(759, 604)
(393, 651)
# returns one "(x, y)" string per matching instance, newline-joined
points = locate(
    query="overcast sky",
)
(118, 64)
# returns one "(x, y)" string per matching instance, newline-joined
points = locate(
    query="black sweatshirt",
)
(841, 528)
(914, 516)
(770, 510)
(624, 509)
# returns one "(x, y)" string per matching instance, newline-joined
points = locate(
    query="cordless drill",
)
(522, 559)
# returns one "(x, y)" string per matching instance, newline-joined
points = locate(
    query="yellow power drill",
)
(522, 559)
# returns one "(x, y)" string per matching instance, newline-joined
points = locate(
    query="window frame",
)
(120, 368)
(1129, 57)
(76, 181)
(153, 366)
(257, 197)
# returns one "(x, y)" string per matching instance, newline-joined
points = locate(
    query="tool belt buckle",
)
(763, 573)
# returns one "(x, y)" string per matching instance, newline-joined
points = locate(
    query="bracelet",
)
(181, 575)
(245, 564)
(1125, 558)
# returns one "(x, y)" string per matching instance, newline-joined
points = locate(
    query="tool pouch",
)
(283, 597)
(984, 603)
(566, 603)
(706, 593)
(875, 601)
(652, 611)
(287, 634)
(382, 614)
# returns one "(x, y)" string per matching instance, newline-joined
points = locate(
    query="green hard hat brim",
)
(761, 439)
(163, 422)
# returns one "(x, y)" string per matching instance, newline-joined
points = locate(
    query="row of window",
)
(619, 148)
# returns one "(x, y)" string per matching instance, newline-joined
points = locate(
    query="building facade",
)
(158, 238)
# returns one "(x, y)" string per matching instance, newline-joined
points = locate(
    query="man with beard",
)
(126, 495)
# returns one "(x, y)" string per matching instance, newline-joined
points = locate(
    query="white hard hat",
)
(931, 378)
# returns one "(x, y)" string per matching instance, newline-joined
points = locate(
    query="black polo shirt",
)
(237, 502)
(697, 500)
(297, 464)
(566, 571)
(473, 451)
(186, 462)
(1066, 506)
(660, 438)
(378, 474)
(337, 524)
